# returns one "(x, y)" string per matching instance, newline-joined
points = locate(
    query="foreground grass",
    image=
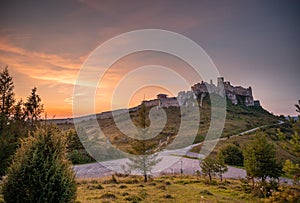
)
(162, 189)
(174, 189)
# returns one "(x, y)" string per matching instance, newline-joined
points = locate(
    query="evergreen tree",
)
(7, 139)
(33, 108)
(145, 158)
(259, 159)
(40, 172)
(298, 106)
(7, 99)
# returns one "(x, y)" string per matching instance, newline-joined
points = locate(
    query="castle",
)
(236, 94)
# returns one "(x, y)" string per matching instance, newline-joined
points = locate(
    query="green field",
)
(162, 189)
(168, 189)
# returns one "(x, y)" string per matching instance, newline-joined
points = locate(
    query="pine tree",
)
(33, 108)
(7, 139)
(259, 159)
(40, 171)
(145, 158)
(298, 106)
(7, 99)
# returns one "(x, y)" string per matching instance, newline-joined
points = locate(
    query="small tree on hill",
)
(40, 171)
(144, 149)
(220, 167)
(211, 166)
(260, 161)
(208, 167)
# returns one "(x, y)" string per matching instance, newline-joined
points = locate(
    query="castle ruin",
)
(236, 94)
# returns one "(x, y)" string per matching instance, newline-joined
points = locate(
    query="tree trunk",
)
(145, 178)
(209, 177)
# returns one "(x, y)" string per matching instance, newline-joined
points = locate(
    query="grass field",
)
(163, 189)
(176, 188)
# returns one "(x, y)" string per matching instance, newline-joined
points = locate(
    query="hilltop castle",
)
(236, 94)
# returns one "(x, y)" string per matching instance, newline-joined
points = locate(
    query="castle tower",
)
(250, 90)
(220, 81)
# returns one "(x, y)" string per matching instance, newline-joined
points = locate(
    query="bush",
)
(232, 155)
(133, 198)
(40, 171)
(285, 194)
(108, 196)
(205, 192)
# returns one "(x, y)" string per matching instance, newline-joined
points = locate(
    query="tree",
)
(259, 159)
(292, 170)
(298, 106)
(7, 139)
(33, 108)
(208, 167)
(7, 99)
(232, 155)
(211, 166)
(143, 150)
(220, 167)
(40, 171)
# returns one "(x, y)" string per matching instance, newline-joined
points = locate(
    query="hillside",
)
(239, 118)
(283, 147)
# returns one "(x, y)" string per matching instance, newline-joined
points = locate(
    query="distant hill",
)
(239, 118)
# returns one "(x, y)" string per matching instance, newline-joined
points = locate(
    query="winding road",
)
(178, 164)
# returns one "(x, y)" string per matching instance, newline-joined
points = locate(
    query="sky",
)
(252, 43)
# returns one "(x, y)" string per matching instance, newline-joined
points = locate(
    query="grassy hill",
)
(283, 147)
(239, 118)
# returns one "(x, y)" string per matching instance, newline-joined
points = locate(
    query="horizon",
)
(45, 44)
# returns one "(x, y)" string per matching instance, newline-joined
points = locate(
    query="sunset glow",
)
(46, 44)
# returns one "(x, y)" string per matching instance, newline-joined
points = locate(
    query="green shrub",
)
(133, 198)
(232, 155)
(123, 186)
(95, 187)
(168, 196)
(285, 194)
(205, 192)
(40, 171)
(108, 196)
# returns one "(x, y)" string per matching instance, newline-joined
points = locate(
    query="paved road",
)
(172, 163)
